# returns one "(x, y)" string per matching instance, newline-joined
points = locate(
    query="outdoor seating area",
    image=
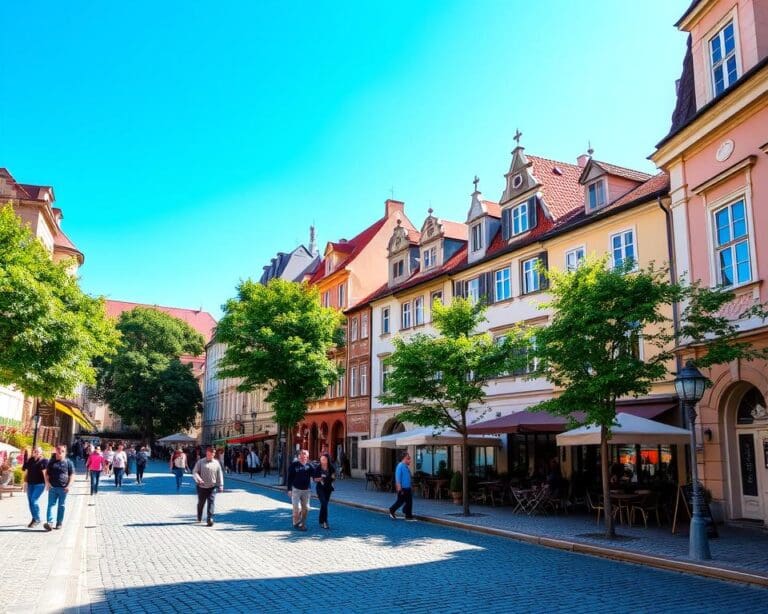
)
(378, 481)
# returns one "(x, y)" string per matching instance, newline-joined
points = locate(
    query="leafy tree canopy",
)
(278, 337)
(147, 383)
(50, 331)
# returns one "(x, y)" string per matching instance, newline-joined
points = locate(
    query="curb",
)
(617, 554)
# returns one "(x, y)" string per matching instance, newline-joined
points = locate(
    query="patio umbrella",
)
(177, 438)
(629, 430)
(8, 448)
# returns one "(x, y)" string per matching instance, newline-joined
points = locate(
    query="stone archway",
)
(388, 457)
(336, 440)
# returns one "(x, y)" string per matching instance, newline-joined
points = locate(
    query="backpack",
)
(178, 462)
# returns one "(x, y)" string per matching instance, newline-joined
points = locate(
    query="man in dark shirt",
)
(298, 484)
(59, 475)
(34, 467)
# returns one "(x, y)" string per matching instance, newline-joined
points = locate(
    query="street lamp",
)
(690, 385)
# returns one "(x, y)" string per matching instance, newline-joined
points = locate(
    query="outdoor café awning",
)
(176, 438)
(243, 439)
(73, 411)
(629, 430)
(543, 422)
(427, 436)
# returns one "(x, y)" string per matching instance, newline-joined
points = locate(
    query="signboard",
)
(684, 504)
(748, 464)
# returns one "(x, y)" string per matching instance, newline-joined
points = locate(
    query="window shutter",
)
(505, 223)
(490, 288)
(543, 280)
(532, 201)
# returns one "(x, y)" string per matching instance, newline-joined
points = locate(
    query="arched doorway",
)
(749, 456)
(314, 444)
(389, 457)
(336, 441)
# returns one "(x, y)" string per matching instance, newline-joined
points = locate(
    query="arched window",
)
(751, 408)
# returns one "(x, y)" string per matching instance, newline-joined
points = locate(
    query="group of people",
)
(54, 475)
(301, 475)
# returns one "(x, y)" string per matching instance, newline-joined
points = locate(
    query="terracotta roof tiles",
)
(559, 184)
(200, 320)
(621, 171)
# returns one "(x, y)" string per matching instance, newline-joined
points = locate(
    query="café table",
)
(623, 502)
(490, 490)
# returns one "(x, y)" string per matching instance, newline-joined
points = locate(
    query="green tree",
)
(50, 331)
(146, 383)
(438, 378)
(278, 337)
(588, 349)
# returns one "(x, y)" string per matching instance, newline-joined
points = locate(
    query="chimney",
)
(391, 206)
(583, 159)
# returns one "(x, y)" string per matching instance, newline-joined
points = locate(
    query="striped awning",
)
(73, 411)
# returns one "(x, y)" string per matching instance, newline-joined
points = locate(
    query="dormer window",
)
(519, 219)
(429, 256)
(722, 53)
(596, 194)
(328, 265)
(397, 269)
(477, 237)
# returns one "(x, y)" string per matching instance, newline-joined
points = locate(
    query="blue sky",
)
(187, 142)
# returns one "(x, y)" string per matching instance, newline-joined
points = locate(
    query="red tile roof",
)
(62, 241)
(454, 230)
(201, 321)
(492, 208)
(414, 236)
(34, 191)
(559, 184)
(621, 171)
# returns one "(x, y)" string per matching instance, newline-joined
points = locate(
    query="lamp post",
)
(690, 385)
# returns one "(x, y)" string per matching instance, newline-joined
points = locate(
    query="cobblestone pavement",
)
(145, 554)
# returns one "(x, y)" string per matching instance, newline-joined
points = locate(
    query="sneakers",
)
(410, 519)
(324, 525)
(210, 522)
(33, 524)
(392, 515)
(58, 526)
(47, 527)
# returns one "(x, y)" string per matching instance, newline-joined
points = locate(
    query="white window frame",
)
(327, 298)
(386, 371)
(386, 321)
(398, 269)
(500, 282)
(719, 34)
(716, 249)
(429, 258)
(342, 295)
(363, 379)
(519, 219)
(364, 326)
(477, 237)
(418, 311)
(473, 290)
(531, 274)
(604, 193)
(405, 316)
(622, 234)
(573, 255)
(353, 381)
(353, 328)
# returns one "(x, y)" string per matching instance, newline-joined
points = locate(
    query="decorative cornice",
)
(727, 173)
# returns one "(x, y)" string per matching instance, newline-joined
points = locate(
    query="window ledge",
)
(745, 288)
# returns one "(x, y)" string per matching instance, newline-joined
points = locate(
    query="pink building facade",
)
(716, 157)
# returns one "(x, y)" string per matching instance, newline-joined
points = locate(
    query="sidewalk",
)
(739, 554)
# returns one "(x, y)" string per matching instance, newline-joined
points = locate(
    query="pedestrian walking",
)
(142, 456)
(179, 465)
(265, 462)
(109, 454)
(209, 477)
(59, 475)
(95, 465)
(403, 489)
(119, 464)
(34, 467)
(253, 463)
(298, 484)
(131, 468)
(324, 477)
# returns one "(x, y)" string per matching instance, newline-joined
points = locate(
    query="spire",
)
(517, 137)
(476, 181)
(312, 246)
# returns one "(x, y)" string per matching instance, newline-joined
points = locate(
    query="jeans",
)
(203, 495)
(34, 492)
(179, 473)
(57, 497)
(140, 472)
(119, 471)
(404, 498)
(324, 494)
(95, 476)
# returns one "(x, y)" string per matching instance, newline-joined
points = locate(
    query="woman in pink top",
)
(96, 463)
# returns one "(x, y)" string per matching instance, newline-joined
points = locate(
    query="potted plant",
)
(456, 487)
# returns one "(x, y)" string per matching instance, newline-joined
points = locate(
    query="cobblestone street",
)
(144, 553)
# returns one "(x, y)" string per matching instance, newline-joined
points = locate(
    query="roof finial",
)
(392, 192)
(517, 137)
(312, 248)
(590, 151)
(399, 222)
(476, 180)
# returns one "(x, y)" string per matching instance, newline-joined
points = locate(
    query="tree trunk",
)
(610, 529)
(465, 472)
(287, 453)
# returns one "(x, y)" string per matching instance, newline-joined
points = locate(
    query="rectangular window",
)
(520, 219)
(722, 53)
(436, 296)
(531, 363)
(503, 286)
(477, 237)
(353, 329)
(405, 315)
(596, 191)
(531, 280)
(473, 290)
(418, 311)
(732, 244)
(574, 258)
(364, 326)
(430, 258)
(342, 295)
(363, 379)
(397, 269)
(386, 370)
(385, 320)
(340, 387)
(353, 381)
(623, 247)
(327, 298)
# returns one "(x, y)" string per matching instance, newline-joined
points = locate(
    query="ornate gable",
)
(399, 241)
(476, 208)
(431, 229)
(520, 178)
